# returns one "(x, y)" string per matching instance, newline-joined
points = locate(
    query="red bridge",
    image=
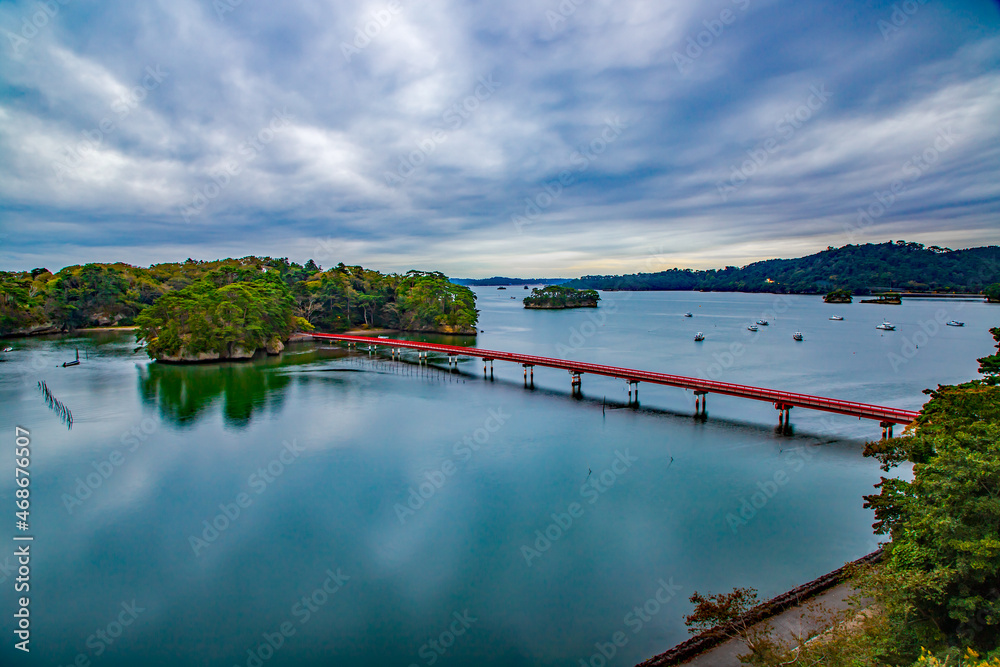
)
(782, 400)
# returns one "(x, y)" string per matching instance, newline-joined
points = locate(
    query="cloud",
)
(396, 152)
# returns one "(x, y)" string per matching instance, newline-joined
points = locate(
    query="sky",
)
(479, 138)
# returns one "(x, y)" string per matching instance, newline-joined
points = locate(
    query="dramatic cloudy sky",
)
(685, 133)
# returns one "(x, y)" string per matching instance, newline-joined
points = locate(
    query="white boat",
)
(699, 336)
(762, 323)
(688, 315)
(953, 323)
(386, 337)
(797, 335)
(8, 349)
(886, 326)
(836, 317)
(752, 327)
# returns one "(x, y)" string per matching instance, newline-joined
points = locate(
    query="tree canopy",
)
(863, 269)
(332, 300)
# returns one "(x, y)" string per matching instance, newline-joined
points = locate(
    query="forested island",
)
(229, 308)
(839, 296)
(862, 269)
(555, 297)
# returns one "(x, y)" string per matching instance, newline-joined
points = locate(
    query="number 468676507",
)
(22, 459)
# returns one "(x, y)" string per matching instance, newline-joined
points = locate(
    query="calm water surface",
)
(390, 514)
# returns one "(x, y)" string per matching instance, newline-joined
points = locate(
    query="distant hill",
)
(497, 281)
(862, 269)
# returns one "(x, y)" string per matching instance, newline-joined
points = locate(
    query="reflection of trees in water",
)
(184, 392)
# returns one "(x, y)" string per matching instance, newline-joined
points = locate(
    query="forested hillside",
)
(863, 269)
(331, 300)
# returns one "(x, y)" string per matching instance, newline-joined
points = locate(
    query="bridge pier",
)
(700, 402)
(576, 384)
(526, 367)
(784, 419)
(886, 429)
(630, 383)
(485, 359)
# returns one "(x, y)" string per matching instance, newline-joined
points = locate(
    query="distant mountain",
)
(497, 281)
(862, 269)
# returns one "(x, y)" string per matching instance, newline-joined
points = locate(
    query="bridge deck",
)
(779, 398)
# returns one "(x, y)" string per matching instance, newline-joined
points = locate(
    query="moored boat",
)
(797, 335)
(953, 323)
(752, 327)
(836, 317)
(688, 315)
(886, 326)
(699, 336)
(762, 323)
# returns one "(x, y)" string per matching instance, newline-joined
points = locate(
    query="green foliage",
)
(939, 582)
(859, 268)
(936, 591)
(839, 296)
(992, 293)
(20, 302)
(78, 295)
(990, 366)
(429, 302)
(334, 300)
(223, 314)
(556, 296)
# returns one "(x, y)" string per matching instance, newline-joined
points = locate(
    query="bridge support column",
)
(526, 367)
(630, 385)
(784, 419)
(700, 402)
(576, 384)
(484, 367)
(886, 429)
